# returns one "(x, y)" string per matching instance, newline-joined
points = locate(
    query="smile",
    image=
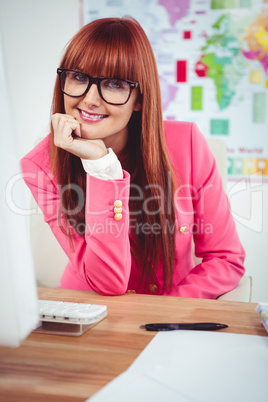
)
(91, 116)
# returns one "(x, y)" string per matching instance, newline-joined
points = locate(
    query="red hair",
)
(114, 47)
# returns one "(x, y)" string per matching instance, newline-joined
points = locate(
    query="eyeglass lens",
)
(112, 90)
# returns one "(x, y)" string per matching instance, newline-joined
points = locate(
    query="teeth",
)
(93, 116)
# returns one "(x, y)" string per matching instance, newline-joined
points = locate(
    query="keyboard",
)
(67, 318)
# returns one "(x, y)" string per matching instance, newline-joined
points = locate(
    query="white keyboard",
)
(71, 313)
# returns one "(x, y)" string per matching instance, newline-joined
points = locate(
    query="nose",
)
(92, 97)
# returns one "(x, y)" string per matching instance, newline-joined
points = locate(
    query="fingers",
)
(64, 125)
(77, 131)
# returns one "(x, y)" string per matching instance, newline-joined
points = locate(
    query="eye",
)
(79, 77)
(115, 84)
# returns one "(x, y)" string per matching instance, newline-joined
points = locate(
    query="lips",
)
(91, 116)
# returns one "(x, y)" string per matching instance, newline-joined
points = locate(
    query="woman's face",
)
(100, 120)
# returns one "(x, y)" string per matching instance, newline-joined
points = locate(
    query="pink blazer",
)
(101, 260)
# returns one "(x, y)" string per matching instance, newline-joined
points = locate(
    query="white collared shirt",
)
(106, 168)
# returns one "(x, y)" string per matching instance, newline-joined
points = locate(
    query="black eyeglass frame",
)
(97, 81)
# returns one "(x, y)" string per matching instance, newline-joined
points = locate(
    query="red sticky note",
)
(181, 70)
(187, 34)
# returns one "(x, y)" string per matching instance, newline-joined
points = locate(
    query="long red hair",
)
(114, 47)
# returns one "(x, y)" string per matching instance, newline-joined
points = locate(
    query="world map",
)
(257, 40)
(223, 58)
(212, 59)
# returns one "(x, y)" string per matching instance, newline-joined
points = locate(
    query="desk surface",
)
(61, 368)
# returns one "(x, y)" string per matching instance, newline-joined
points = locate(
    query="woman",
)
(123, 191)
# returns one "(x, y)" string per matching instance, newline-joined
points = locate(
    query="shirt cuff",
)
(106, 168)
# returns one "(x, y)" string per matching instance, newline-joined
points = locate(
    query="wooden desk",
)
(61, 368)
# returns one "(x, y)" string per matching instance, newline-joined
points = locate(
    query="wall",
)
(34, 33)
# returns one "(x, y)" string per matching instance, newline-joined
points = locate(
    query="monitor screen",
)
(18, 293)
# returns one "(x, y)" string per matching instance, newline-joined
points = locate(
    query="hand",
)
(67, 135)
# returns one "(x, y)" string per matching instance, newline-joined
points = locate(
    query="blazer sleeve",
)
(102, 256)
(215, 236)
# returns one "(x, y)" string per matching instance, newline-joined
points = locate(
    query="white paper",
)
(195, 366)
(134, 387)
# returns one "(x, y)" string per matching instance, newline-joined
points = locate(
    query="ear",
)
(138, 104)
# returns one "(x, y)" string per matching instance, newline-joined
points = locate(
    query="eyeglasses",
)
(112, 90)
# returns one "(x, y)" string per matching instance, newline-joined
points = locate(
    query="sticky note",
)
(266, 84)
(244, 3)
(219, 126)
(187, 35)
(218, 4)
(238, 166)
(255, 76)
(230, 164)
(250, 165)
(181, 70)
(197, 98)
(259, 105)
(262, 166)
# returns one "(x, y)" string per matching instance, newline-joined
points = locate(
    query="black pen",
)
(198, 326)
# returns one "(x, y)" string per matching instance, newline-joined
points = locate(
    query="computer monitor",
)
(18, 293)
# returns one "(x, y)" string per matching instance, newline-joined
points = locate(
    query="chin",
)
(88, 135)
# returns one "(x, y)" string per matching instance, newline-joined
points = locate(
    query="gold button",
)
(153, 288)
(118, 217)
(117, 210)
(131, 291)
(118, 203)
(182, 229)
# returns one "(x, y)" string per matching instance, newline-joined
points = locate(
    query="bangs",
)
(105, 52)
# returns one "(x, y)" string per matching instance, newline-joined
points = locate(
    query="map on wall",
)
(212, 58)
